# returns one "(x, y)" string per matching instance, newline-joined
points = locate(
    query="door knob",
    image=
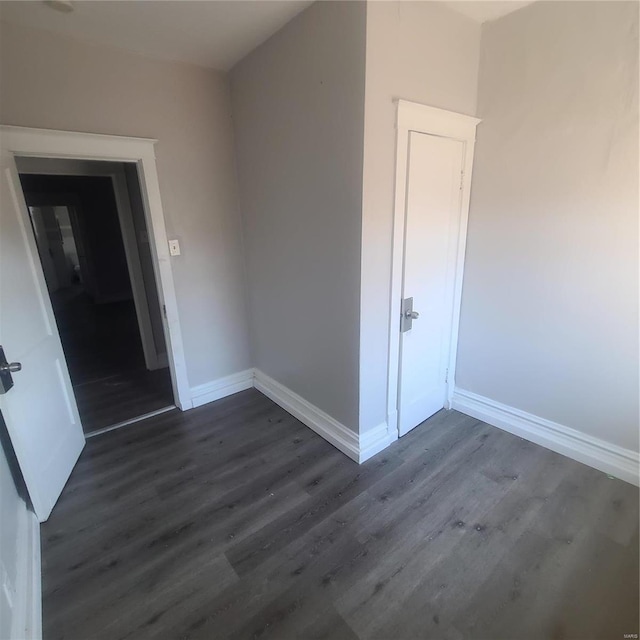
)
(6, 369)
(407, 314)
(10, 367)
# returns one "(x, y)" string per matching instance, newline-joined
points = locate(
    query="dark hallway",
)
(106, 363)
(87, 269)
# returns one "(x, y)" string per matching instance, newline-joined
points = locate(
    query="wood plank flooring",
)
(122, 396)
(106, 363)
(235, 521)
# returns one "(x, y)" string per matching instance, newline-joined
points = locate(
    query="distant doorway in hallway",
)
(90, 230)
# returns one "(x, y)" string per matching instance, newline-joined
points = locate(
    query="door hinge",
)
(164, 311)
(446, 376)
(461, 179)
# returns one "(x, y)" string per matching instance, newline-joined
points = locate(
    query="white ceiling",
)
(214, 34)
(485, 10)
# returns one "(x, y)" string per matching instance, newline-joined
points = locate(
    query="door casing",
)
(415, 117)
(46, 143)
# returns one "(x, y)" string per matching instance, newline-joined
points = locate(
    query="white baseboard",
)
(27, 610)
(323, 424)
(222, 387)
(358, 447)
(602, 455)
(375, 440)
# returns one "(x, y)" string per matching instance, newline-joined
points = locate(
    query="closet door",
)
(431, 232)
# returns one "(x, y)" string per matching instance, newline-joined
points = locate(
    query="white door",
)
(432, 226)
(40, 409)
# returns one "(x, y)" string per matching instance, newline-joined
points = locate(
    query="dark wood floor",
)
(235, 521)
(106, 363)
(122, 396)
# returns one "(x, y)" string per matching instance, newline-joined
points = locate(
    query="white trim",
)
(221, 388)
(358, 447)
(46, 143)
(130, 421)
(27, 610)
(412, 116)
(322, 423)
(597, 453)
(375, 440)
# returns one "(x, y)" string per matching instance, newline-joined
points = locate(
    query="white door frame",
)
(412, 116)
(73, 167)
(48, 143)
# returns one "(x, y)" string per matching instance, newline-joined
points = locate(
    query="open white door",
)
(40, 409)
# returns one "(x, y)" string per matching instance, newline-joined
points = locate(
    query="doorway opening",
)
(89, 224)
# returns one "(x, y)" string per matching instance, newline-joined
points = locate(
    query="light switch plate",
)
(174, 248)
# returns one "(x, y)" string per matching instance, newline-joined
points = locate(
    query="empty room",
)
(319, 319)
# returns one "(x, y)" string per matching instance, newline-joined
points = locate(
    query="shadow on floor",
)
(106, 363)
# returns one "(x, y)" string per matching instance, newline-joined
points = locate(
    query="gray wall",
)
(550, 303)
(298, 104)
(428, 53)
(58, 83)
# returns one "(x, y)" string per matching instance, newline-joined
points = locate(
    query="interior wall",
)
(298, 103)
(427, 53)
(53, 82)
(550, 302)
